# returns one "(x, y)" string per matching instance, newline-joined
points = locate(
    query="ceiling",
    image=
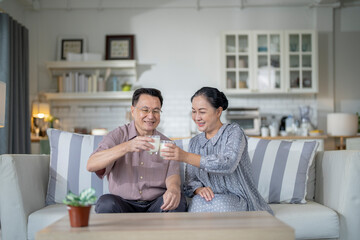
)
(199, 4)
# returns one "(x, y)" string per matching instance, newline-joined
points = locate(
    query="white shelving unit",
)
(111, 64)
(120, 68)
(120, 95)
(269, 62)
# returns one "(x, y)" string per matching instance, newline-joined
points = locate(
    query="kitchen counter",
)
(293, 137)
(327, 142)
(342, 145)
(37, 139)
(40, 145)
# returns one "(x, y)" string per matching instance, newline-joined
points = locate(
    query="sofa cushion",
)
(46, 216)
(310, 221)
(69, 153)
(309, 150)
(280, 168)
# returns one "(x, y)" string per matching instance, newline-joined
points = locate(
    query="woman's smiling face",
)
(205, 116)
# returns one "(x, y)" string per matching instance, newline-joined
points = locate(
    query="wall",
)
(347, 60)
(325, 98)
(14, 9)
(178, 51)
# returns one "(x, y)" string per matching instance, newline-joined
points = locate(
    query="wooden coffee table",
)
(182, 226)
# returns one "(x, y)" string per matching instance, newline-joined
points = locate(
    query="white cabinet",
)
(118, 72)
(237, 62)
(268, 62)
(302, 61)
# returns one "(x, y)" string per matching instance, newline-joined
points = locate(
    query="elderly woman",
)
(218, 171)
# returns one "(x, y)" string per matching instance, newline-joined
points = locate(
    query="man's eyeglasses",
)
(146, 110)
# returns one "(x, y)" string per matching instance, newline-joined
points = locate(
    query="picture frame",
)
(119, 47)
(70, 43)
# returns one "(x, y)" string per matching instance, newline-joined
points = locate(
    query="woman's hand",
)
(173, 152)
(205, 192)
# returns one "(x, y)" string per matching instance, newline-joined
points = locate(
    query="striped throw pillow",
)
(280, 168)
(184, 145)
(69, 153)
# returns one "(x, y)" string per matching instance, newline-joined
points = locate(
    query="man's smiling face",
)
(146, 114)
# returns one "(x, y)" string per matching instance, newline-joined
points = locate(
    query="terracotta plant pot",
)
(79, 216)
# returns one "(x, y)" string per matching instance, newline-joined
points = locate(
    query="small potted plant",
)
(79, 207)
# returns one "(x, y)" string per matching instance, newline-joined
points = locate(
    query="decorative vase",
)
(79, 216)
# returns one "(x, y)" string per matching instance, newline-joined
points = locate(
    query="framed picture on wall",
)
(71, 44)
(119, 47)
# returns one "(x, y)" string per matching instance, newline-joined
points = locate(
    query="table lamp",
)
(2, 103)
(40, 111)
(342, 124)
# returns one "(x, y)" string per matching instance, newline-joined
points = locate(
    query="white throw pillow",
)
(280, 168)
(69, 153)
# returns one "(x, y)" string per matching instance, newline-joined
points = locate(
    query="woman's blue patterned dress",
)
(225, 167)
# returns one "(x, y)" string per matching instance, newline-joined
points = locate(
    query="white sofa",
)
(334, 214)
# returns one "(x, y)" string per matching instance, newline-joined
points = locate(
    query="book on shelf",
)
(78, 82)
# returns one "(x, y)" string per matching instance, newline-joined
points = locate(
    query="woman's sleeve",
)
(191, 181)
(227, 160)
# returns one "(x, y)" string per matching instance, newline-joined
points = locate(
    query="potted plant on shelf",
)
(79, 207)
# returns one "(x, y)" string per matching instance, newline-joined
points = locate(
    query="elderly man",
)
(138, 181)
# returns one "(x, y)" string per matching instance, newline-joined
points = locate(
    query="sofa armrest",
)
(23, 187)
(337, 187)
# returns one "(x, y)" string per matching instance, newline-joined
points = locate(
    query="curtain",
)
(14, 71)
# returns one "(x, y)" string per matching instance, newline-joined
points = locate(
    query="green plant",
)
(85, 198)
